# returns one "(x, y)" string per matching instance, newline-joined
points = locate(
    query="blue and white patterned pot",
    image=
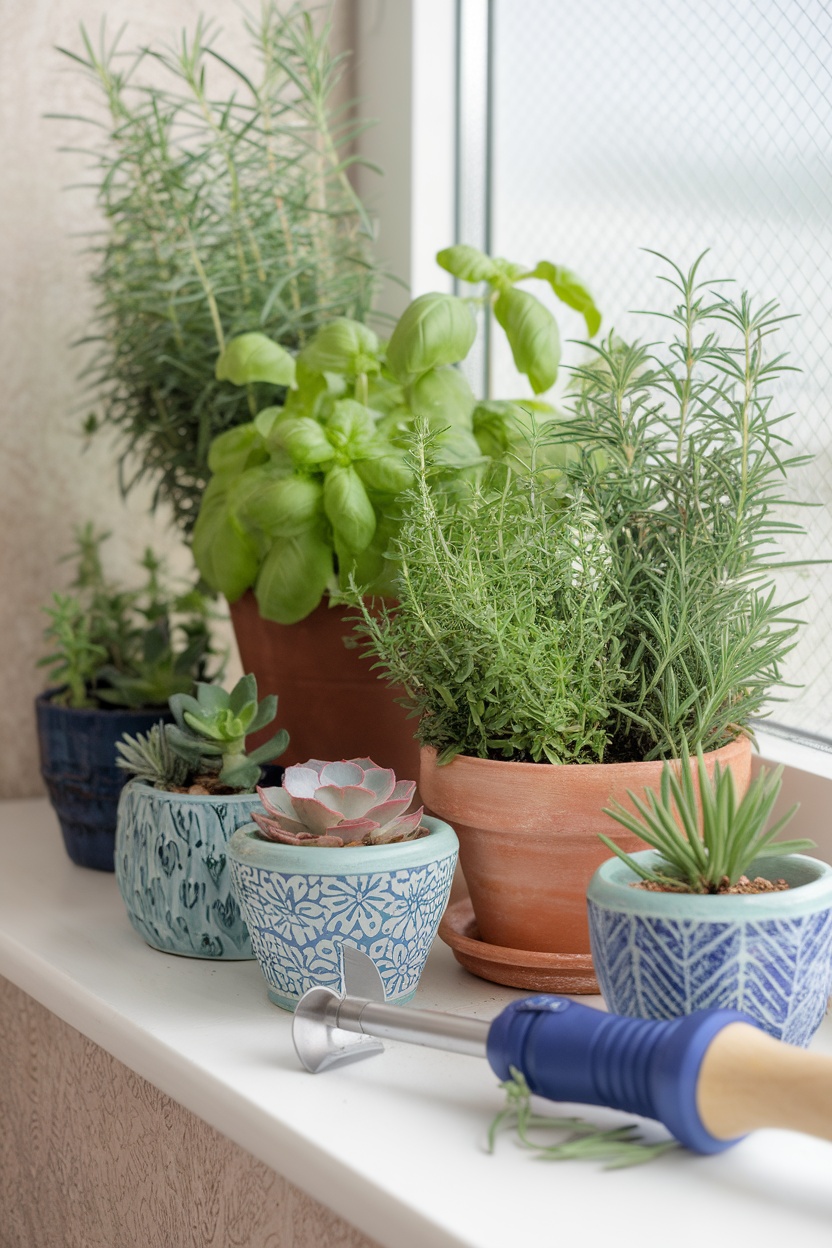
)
(302, 902)
(659, 955)
(172, 870)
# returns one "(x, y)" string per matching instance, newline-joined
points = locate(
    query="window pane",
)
(680, 125)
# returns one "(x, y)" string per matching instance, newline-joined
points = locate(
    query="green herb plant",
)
(683, 462)
(505, 634)
(113, 646)
(733, 832)
(227, 209)
(307, 496)
(618, 1147)
(612, 597)
(207, 742)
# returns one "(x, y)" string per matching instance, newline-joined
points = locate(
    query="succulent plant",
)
(149, 757)
(210, 731)
(733, 827)
(352, 802)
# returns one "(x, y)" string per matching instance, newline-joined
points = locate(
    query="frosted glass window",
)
(677, 125)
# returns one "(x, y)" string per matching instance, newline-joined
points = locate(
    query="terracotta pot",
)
(330, 700)
(528, 837)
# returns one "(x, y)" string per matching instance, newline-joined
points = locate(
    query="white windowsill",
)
(787, 747)
(393, 1144)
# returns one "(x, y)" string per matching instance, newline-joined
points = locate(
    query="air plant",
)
(733, 829)
(352, 802)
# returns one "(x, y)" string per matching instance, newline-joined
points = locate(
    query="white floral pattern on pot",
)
(297, 920)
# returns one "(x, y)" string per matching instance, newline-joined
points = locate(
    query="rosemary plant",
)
(618, 1147)
(733, 831)
(688, 497)
(224, 213)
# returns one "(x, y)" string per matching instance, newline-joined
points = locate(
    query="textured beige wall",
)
(46, 484)
(92, 1156)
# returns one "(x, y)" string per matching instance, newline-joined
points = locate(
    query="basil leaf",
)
(305, 441)
(294, 576)
(236, 449)
(374, 569)
(456, 448)
(266, 419)
(225, 554)
(468, 263)
(285, 506)
(387, 473)
(506, 272)
(384, 395)
(348, 508)
(254, 357)
(350, 427)
(442, 397)
(342, 346)
(434, 330)
(532, 334)
(572, 291)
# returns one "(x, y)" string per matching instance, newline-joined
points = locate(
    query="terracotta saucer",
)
(570, 973)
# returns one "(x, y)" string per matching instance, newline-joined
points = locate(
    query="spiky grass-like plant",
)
(733, 829)
(225, 211)
(688, 494)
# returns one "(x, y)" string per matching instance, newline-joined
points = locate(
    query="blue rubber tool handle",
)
(570, 1052)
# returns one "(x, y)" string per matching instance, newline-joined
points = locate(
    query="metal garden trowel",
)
(710, 1077)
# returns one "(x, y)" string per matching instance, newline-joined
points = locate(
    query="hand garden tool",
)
(710, 1077)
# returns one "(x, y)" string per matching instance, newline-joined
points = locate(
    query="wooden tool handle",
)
(748, 1080)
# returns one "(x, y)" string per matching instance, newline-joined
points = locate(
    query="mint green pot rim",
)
(246, 847)
(810, 890)
(200, 799)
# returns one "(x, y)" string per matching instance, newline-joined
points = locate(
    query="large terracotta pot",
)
(528, 837)
(330, 700)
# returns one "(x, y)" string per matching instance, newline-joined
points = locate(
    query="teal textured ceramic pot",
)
(302, 902)
(660, 955)
(172, 870)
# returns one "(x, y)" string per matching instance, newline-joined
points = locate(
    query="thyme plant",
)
(226, 210)
(505, 635)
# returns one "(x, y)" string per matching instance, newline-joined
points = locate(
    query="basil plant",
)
(307, 495)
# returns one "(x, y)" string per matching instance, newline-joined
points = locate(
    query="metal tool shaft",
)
(427, 1027)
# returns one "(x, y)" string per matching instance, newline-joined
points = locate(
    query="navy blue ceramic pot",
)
(78, 765)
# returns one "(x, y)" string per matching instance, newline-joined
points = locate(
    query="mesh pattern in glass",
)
(681, 125)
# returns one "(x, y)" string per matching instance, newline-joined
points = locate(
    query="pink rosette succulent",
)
(353, 802)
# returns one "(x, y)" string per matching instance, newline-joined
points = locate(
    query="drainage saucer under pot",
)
(570, 973)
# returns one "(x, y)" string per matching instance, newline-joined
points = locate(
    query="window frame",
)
(409, 74)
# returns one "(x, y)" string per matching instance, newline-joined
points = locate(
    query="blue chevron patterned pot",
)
(659, 955)
(172, 870)
(301, 902)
